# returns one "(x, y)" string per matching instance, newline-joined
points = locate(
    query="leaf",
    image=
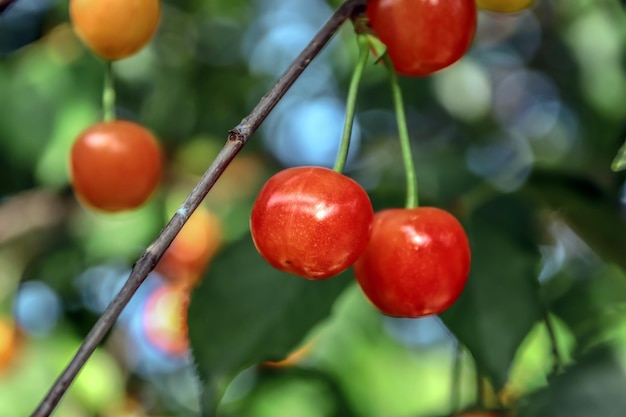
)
(594, 386)
(619, 162)
(246, 312)
(500, 303)
(593, 306)
(593, 214)
(297, 387)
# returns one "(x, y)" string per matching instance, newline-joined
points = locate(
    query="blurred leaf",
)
(593, 305)
(246, 312)
(619, 163)
(594, 386)
(500, 303)
(595, 216)
(296, 391)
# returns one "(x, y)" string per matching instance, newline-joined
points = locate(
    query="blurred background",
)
(516, 139)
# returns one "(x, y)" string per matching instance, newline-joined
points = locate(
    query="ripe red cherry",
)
(115, 165)
(417, 262)
(311, 221)
(423, 36)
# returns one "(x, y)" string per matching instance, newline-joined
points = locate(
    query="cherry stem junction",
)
(108, 93)
(353, 90)
(237, 138)
(412, 199)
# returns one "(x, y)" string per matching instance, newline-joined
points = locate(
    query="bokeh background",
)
(517, 139)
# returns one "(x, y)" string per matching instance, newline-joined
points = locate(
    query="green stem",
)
(108, 93)
(557, 361)
(412, 199)
(342, 156)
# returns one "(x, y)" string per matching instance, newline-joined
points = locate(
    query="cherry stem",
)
(237, 138)
(412, 199)
(108, 93)
(353, 90)
(557, 362)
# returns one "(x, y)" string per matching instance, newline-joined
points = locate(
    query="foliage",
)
(516, 139)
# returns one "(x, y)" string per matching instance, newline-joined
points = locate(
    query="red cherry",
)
(423, 36)
(417, 262)
(311, 221)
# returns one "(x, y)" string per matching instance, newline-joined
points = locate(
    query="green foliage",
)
(594, 386)
(247, 312)
(544, 211)
(500, 303)
(592, 212)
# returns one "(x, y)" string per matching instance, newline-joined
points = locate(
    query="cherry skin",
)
(311, 221)
(115, 166)
(504, 6)
(417, 262)
(115, 29)
(423, 36)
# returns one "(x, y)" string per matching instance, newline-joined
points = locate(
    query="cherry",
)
(115, 29)
(115, 165)
(417, 262)
(311, 221)
(423, 36)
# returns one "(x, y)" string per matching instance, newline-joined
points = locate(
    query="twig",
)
(4, 4)
(237, 137)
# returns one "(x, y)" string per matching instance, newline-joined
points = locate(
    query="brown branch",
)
(237, 137)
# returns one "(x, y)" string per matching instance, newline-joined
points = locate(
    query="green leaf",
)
(246, 312)
(593, 307)
(619, 163)
(500, 303)
(594, 386)
(593, 214)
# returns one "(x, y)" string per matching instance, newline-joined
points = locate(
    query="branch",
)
(237, 137)
(4, 4)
